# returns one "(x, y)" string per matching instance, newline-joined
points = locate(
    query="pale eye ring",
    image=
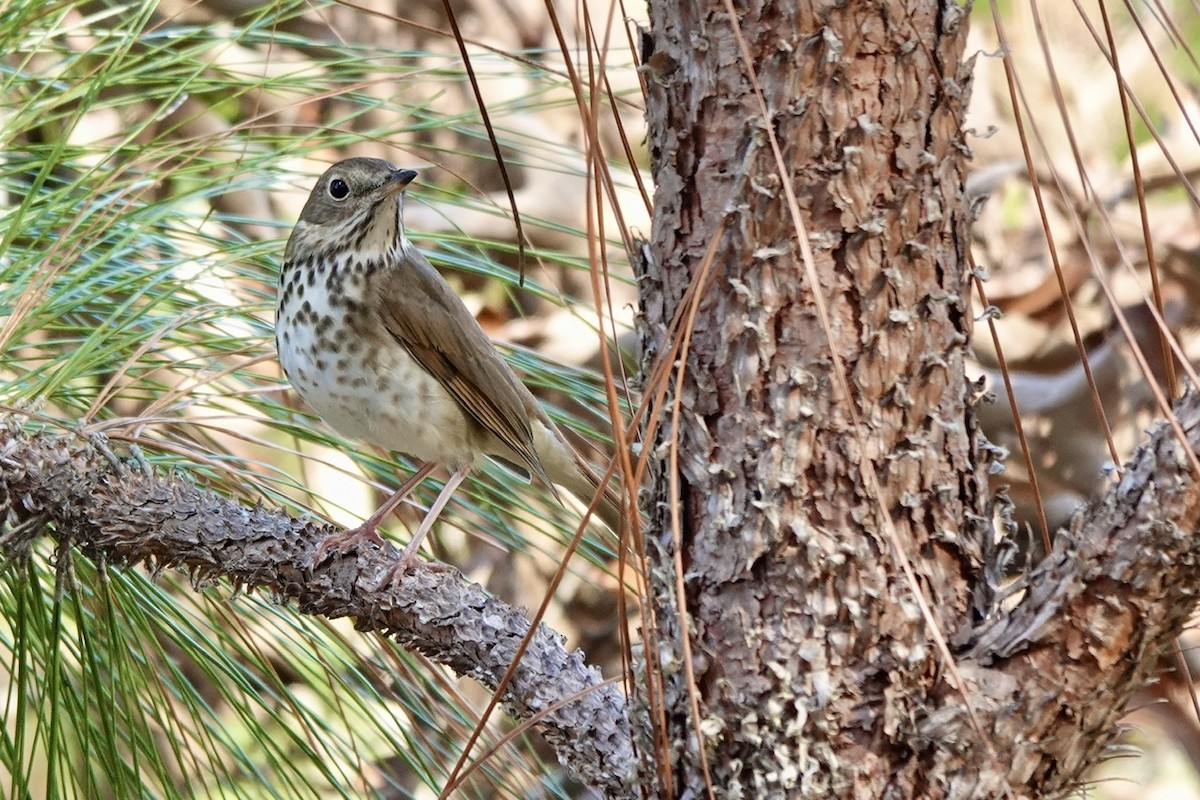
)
(338, 189)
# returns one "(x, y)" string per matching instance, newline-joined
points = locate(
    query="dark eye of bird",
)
(338, 189)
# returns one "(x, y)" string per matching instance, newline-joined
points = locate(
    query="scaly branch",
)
(71, 490)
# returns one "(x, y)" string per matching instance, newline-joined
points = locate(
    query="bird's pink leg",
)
(369, 529)
(409, 553)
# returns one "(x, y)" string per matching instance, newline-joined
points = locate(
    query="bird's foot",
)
(368, 531)
(344, 540)
(408, 559)
(399, 567)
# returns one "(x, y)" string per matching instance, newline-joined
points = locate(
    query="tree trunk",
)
(833, 542)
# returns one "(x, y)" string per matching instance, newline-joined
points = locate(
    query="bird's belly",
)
(375, 392)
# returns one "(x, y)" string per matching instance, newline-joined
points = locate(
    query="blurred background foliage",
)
(155, 155)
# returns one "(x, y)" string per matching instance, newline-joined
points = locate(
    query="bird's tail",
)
(584, 483)
(566, 468)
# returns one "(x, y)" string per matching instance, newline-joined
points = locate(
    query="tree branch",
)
(132, 516)
(1057, 671)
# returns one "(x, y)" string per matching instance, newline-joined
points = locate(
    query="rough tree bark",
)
(814, 670)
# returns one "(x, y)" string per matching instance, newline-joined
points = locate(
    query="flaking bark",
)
(813, 663)
(815, 671)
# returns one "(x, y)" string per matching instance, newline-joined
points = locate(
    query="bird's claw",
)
(403, 563)
(344, 540)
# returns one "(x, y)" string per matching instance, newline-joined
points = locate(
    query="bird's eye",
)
(338, 189)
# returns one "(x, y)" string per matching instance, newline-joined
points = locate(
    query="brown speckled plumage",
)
(376, 341)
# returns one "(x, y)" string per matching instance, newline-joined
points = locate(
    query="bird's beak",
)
(397, 180)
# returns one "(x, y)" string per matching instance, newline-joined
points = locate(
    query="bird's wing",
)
(422, 313)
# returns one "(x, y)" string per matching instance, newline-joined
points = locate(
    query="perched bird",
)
(378, 344)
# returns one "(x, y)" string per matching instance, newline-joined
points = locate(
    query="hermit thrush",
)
(378, 344)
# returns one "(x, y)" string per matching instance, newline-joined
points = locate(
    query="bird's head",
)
(358, 203)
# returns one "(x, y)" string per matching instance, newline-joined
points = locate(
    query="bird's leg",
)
(409, 553)
(369, 529)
